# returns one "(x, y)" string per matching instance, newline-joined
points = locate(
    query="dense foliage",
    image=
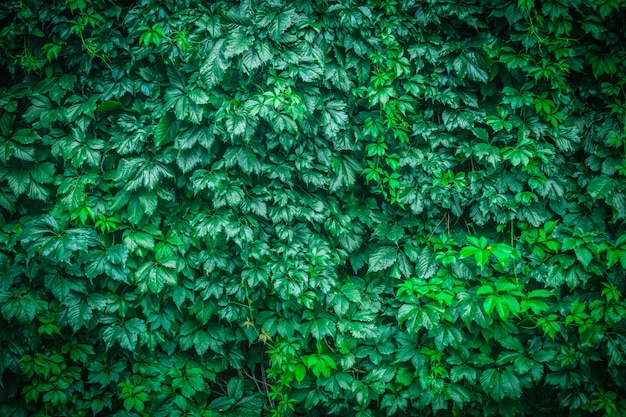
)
(316, 208)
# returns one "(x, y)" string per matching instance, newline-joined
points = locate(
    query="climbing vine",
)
(273, 208)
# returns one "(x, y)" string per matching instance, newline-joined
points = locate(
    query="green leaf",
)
(154, 277)
(18, 181)
(43, 173)
(501, 383)
(345, 170)
(235, 388)
(334, 118)
(135, 325)
(148, 201)
(300, 372)
(117, 334)
(601, 187)
(79, 312)
(584, 255)
(382, 257)
(503, 253)
(23, 307)
(458, 394)
(243, 157)
(165, 130)
(115, 106)
(504, 305)
(79, 352)
(213, 69)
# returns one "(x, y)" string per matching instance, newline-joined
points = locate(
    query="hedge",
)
(320, 208)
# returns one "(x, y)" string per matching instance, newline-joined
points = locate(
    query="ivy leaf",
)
(345, 170)
(472, 64)
(79, 312)
(235, 388)
(154, 277)
(601, 187)
(213, 69)
(300, 372)
(334, 118)
(382, 257)
(245, 158)
(43, 173)
(458, 394)
(260, 54)
(23, 307)
(501, 383)
(280, 23)
(126, 334)
(165, 130)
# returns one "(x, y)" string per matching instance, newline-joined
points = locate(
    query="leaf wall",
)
(312, 208)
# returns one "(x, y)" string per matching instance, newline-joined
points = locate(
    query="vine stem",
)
(264, 379)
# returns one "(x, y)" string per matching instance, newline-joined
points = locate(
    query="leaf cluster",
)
(312, 208)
